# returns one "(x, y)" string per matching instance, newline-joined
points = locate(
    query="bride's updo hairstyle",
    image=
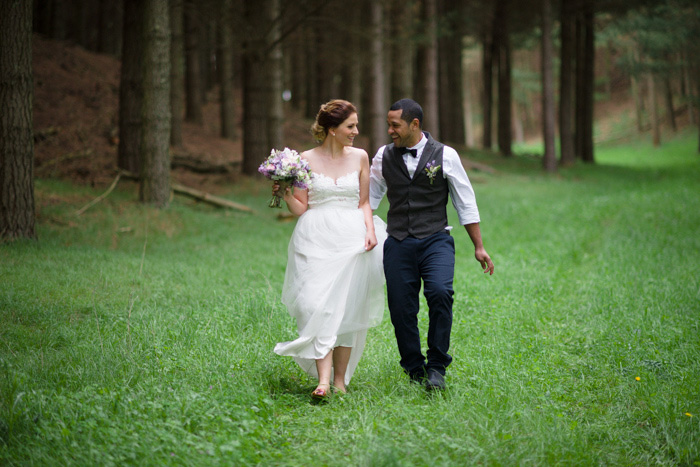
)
(331, 114)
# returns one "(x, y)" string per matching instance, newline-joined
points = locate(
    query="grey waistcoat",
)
(417, 207)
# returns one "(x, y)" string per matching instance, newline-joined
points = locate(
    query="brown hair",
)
(330, 115)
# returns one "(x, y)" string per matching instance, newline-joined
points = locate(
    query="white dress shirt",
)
(461, 191)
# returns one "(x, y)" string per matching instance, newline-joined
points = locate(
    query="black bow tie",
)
(412, 152)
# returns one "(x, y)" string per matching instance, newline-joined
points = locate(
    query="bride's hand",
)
(370, 241)
(280, 189)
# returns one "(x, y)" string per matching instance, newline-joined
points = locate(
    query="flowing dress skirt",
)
(333, 287)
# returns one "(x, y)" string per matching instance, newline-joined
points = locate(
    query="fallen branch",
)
(208, 198)
(101, 197)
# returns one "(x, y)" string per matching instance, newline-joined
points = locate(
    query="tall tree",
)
(131, 89)
(255, 87)
(566, 83)
(378, 104)
(177, 71)
(402, 44)
(275, 120)
(450, 70)
(17, 217)
(585, 80)
(428, 76)
(548, 125)
(193, 64)
(502, 47)
(225, 61)
(155, 133)
(487, 49)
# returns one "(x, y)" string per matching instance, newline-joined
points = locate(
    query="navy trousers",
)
(407, 263)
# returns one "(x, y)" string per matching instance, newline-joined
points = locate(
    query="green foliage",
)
(134, 336)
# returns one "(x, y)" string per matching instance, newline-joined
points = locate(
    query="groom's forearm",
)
(474, 233)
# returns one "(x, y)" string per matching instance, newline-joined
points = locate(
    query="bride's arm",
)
(297, 202)
(370, 236)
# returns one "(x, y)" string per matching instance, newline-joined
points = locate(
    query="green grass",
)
(134, 336)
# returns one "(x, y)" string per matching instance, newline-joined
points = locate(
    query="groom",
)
(417, 174)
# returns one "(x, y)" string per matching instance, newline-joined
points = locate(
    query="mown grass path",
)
(132, 336)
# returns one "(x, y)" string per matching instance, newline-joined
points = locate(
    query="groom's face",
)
(399, 130)
(402, 133)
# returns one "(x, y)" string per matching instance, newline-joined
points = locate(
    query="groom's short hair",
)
(410, 110)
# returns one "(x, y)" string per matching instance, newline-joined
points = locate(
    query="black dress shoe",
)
(417, 377)
(434, 380)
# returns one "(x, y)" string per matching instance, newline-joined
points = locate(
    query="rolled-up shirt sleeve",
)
(461, 190)
(377, 184)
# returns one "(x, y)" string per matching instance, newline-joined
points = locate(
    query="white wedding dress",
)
(332, 286)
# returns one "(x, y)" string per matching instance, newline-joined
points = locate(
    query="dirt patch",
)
(76, 105)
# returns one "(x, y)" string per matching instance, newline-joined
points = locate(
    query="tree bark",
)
(177, 72)
(17, 211)
(550, 157)
(668, 99)
(193, 72)
(255, 83)
(428, 72)
(131, 89)
(566, 85)
(487, 91)
(451, 87)
(155, 137)
(275, 118)
(585, 80)
(402, 50)
(654, 107)
(225, 69)
(505, 121)
(378, 104)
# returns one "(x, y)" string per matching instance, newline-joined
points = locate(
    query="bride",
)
(334, 282)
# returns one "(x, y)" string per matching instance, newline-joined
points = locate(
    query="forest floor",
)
(76, 121)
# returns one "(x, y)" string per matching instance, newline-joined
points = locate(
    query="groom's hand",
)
(485, 260)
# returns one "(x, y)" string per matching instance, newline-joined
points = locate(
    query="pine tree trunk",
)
(668, 99)
(378, 104)
(255, 96)
(193, 72)
(451, 88)
(566, 85)
(428, 72)
(550, 157)
(155, 137)
(17, 212)
(402, 52)
(588, 83)
(487, 91)
(505, 121)
(131, 89)
(225, 69)
(654, 107)
(275, 117)
(177, 72)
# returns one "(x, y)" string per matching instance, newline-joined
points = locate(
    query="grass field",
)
(131, 336)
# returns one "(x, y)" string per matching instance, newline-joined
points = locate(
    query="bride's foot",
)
(322, 391)
(339, 389)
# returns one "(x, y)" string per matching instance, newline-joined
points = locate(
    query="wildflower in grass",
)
(288, 167)
(637, 378)
(432, 170)
(689, 414)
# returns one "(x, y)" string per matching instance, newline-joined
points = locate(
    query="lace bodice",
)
(341, 193)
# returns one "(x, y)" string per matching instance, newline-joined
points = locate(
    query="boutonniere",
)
(432, 170)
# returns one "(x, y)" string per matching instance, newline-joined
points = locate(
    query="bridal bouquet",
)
(288, 167)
